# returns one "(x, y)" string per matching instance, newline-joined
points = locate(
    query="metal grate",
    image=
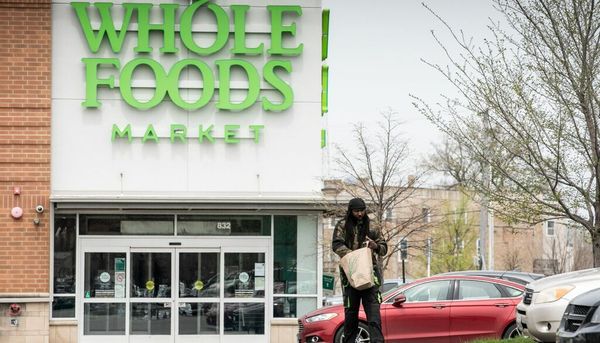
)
(572, 325)
(528, 296)
(581, 310)
(300, 326)
(574, 317)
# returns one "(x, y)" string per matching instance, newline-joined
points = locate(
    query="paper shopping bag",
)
(358, 267)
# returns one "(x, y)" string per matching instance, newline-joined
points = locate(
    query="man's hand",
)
(371, 244)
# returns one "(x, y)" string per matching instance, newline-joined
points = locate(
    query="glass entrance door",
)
(221, 295)
(151, 297)
(198, 296)
(174, 295)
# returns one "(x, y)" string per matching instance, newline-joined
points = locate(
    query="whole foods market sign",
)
(167, 79)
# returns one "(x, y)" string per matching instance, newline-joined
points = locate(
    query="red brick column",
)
(25, 98)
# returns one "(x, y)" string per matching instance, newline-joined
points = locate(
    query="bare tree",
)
(511, 259)
(582, 252)
(451, 159)
(528, 109)
(375, 170)
(570, 249)
(560, 255)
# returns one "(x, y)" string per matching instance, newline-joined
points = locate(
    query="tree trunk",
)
(596, 247)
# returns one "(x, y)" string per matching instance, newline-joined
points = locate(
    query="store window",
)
(426, 215)
(389, 214)
(105, 275)
(295, 265)
(104, 319)
(224, 225)
(244, 278)
(550, 228)
(65, 242)
(94, 224)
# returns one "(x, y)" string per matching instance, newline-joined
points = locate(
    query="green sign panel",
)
(115, 26)
(328, 282)
(119, 264)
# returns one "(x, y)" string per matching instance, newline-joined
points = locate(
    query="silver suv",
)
(545, 301)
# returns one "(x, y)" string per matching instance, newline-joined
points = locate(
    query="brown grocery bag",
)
(358, 267)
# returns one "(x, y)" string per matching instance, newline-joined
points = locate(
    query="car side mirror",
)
(399, 300)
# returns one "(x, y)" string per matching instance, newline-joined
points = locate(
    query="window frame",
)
(449, 294)
(53, 294)
(426, 214)
(493, 284)
(550, 227)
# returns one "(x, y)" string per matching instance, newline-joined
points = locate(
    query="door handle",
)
(501, 305)
(439, 306)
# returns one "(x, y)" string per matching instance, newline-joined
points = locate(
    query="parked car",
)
(387, 285)
(514, 276)
(581, 320)
(541, 310)
(436, 309)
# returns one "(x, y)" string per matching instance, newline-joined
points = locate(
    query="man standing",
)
(352, 233)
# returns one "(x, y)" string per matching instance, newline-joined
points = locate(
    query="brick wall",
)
(25, 91)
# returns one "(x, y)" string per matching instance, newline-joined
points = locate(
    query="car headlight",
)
(596, 317)
(320, 317)
(549, 295)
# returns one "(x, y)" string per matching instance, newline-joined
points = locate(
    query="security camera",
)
(39, 208)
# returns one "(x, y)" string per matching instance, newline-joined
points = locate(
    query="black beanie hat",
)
(357, 204)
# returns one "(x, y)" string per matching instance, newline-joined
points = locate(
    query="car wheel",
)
(363, 334)
(512, 331)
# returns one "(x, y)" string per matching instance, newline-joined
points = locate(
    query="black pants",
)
(371, 299)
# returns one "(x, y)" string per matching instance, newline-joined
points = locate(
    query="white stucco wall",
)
(86, 163)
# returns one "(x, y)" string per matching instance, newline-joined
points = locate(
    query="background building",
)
(450, 221)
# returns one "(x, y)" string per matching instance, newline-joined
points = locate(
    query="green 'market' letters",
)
(205, 134)
(179, 132)
(230, 132)
(150, 134)
(126, 132)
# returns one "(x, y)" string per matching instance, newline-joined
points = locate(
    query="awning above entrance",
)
(271, 204)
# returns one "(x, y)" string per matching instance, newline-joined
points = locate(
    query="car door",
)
(424, 317)
(480, 310)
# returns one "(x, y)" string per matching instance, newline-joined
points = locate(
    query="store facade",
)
(169, 276)
(185, 146)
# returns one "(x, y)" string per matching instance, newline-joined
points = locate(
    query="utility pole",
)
(491, 239)
(428, 257)
(484, 211)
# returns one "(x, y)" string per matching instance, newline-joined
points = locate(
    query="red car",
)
(438, 309)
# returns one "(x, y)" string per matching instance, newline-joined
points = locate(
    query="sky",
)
(375, 52)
